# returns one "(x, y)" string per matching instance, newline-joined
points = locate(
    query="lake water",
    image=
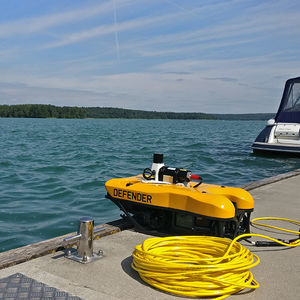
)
(52, 171)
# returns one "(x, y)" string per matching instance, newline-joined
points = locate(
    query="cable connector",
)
(275, 244)
(269, 243)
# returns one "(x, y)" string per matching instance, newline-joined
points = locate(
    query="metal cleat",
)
(84, 238)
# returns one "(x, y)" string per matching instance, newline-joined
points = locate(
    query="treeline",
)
(241, 117)
(51, 111)
(120, 113)
(66, 112)
(41, 111)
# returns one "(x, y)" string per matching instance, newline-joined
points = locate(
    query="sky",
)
(212, 56)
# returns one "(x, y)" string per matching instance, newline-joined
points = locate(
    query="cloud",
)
(134, 24)
(26, 94)
(254, 85)
(37, 24)
(225, 79)
(252, 28)
(139, 23)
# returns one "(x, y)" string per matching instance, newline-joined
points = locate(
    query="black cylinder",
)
(158, 158)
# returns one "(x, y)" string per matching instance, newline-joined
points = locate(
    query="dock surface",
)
(112, 277)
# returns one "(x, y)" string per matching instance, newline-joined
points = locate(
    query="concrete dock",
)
(111, 277)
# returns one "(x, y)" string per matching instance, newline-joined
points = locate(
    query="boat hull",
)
(280, 138)
(273, 148)
(282, 134)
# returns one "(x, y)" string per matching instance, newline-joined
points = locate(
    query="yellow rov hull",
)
(148, 199)
(206, 200)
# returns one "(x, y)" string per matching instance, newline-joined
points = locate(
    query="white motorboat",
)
(282, 134)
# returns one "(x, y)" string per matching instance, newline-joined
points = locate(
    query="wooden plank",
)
(22, 254)
(256, 184)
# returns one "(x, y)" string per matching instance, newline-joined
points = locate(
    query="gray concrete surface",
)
(112, 277)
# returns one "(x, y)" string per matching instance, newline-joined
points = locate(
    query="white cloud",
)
(237, 31)
(201, 86)
(26, 94)
(135, 24)
(36, 24)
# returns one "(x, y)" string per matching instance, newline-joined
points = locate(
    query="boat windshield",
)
(289, 109)
(293, 101)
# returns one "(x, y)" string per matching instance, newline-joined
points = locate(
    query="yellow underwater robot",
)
(167, 200)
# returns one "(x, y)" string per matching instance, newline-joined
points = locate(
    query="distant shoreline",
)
(73, 112)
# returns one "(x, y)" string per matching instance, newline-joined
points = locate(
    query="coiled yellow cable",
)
(198, 266)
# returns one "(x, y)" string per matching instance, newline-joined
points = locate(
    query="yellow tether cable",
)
(253, 222)
(199, 266)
